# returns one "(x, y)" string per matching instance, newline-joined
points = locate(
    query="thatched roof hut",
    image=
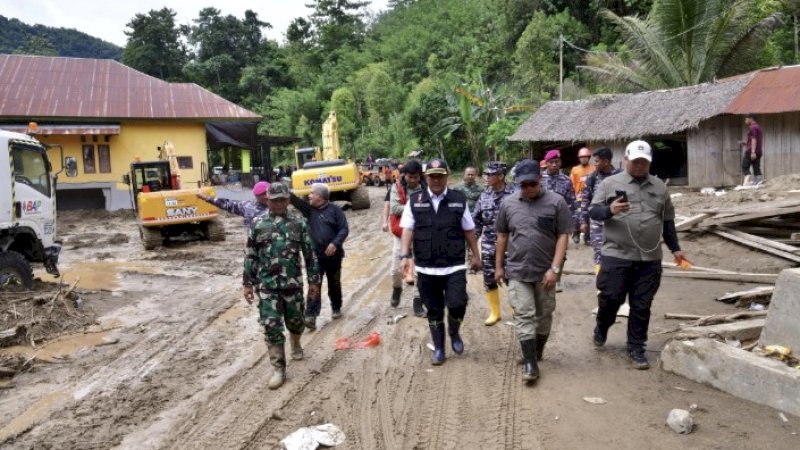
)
(631, 116)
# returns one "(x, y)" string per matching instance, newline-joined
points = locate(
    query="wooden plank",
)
(756, 292)
(752, 216)
(773, 251)
(760, 240)
(740, 277)
(690, 222)
(752, 207)
(672, 265)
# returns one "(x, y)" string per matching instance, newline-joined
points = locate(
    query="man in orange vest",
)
(578, 175)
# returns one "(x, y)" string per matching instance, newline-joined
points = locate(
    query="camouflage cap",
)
(495, 168)
(278, 190)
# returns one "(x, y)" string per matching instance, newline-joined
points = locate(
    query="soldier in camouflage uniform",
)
(272, 272)
(604, 169)
(247, 208)
(470, 187)
(484, 215)
(555, 181)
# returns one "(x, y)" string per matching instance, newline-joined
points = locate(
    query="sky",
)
(106, 19)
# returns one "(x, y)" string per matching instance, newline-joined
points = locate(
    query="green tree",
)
(153, 45)
(684, 42)
(536, 59)
(37, 45)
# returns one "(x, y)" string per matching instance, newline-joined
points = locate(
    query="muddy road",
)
(175, 359)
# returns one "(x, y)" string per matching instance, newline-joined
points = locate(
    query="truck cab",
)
(27, 209)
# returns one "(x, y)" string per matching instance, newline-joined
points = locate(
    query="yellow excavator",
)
(326, 166)
(164, 209)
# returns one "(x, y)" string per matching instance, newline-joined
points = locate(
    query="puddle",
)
(96, 275)
(59, 348)
(38, 412)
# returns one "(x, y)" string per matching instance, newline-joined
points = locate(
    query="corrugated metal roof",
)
(54, 87)
(772, 91)
(90, 128)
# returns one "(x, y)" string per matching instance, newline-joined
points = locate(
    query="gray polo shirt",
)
(636, 234)
(533, 227)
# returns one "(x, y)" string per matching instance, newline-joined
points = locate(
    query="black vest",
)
(438, 236)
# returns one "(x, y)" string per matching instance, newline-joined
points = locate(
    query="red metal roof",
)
(64, 88)
(772, 91)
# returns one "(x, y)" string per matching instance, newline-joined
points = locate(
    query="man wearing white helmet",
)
(578, 175)
(637, 213)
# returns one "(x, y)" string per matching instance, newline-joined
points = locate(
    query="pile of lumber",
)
(771, 227)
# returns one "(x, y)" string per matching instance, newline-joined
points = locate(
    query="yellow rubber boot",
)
(493, 298)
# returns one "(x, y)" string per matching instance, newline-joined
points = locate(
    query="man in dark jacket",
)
(328, 226)
(437, 221)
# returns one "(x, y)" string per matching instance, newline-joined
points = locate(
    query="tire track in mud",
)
(133, 376)
(238, 415)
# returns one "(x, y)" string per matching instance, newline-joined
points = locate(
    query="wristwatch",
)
(555, 269)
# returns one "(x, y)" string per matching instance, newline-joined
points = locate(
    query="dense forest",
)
(455, 77)
(21, 38)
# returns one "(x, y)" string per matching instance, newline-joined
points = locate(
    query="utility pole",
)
(560, 66)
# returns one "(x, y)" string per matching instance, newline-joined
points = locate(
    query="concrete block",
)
(742, 330)
(735, 371)
(784, 312)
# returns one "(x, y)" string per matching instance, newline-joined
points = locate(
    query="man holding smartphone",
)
(637, 213)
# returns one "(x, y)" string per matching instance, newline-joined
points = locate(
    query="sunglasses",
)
(529, 184)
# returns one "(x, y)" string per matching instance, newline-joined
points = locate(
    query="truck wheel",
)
(15, 271)
(359, 198)
(151, 237)
(215, 231)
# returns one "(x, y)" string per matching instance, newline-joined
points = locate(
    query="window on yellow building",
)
(104, 158)
(185, 162)
(88, 158)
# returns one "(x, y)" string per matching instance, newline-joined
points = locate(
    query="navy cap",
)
(495, 168)
(527, 170)
(436, 166)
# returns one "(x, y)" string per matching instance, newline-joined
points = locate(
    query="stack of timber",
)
(771, 227)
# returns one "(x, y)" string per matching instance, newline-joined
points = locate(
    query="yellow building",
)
(105, 114)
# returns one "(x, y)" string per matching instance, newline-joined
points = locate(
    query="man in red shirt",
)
(753, 151)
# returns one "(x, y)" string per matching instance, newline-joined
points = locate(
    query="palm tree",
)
(682, 43)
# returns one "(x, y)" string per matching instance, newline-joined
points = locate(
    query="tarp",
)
(231, 134)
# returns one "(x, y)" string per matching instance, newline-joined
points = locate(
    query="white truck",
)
(27, 209)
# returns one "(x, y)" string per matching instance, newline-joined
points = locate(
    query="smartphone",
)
(622, 194)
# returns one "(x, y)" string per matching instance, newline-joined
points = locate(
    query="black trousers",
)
(440, 291)
(638, 281)
(747, 162)
(331, 269)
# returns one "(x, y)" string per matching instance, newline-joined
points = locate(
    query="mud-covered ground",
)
(172, 357)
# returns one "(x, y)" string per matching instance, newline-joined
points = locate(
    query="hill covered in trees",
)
(19, 37)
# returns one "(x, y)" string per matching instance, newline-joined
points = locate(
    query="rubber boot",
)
(531, 370)
(437, 335)
(297, 349)
(493, 299)
(419, 310)
(541, 340)
(396, 292)
(455, 339)
(277, 357)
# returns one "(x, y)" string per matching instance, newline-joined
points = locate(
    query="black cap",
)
(603, 153)
(436, 166)
(527, 170)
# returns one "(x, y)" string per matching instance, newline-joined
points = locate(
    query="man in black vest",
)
(437, 220)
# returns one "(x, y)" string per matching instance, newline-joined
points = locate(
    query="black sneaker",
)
(336, 314)
(638, 359)
(599, 337)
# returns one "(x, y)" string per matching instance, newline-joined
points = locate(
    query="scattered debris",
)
(760, 294)
(431, 347)
(682, 389)
(680, 421)
(395, 319)
(310, 438)
(595, 400)
(783, 417)
(715, 318)
(373, 340)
